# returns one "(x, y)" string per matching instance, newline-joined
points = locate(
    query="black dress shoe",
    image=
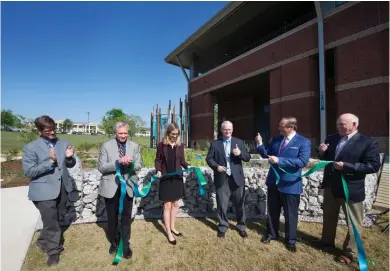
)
(113, 248)
(267, 240)
(127, 253)
(53, 259)
(291, 247)
(178, 234)
(243, 234)
(221, 234)
(173, 242)
(323, 246)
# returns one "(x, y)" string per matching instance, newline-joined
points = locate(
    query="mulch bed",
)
(12, 174)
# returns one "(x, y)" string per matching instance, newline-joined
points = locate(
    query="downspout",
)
(321, 68)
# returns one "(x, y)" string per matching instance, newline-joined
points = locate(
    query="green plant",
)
(10, 155)
(148, 157)
(195, 158)
(86, 146)
(29, 136)
(93, 163)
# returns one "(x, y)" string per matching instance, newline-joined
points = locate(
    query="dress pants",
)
(112, 207)
(224, 192)
(50, 236)
(290, 203)
(331, 217)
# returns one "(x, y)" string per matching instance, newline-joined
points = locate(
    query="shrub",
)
(86, 146)
(148, 157)
(10, 155)
(28, 136)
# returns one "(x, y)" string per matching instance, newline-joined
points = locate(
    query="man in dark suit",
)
(291, 152)
(355, 155)
(225, 157)
(46, 161)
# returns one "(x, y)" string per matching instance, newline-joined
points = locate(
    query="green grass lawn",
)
(13, 140)
(86, 248)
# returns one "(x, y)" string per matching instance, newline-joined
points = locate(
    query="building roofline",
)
(217, 18)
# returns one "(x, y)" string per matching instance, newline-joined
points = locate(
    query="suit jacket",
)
(109, 154)
(292, 159)
(216, 157)
(46, 176)
(160, 163)
(360, 156)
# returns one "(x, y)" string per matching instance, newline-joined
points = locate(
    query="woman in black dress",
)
(170, 158)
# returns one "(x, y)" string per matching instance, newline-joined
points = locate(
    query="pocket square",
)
(293, 147)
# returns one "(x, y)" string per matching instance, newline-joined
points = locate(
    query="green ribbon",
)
(316, 167)
(141, 193)
(362, 258)
(119, 252)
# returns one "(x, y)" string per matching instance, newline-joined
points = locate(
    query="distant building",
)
(82, 127)
(143, 132)
(147, 133)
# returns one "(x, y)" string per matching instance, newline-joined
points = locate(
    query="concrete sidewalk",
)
(18, 222)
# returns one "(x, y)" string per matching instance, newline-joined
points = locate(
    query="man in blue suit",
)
(291, 152)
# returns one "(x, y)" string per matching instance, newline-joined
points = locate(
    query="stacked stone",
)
(74, 203)
(84, 204)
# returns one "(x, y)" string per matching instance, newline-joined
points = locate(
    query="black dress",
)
(171, 187)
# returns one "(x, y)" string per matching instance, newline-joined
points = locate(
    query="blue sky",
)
(67, 58)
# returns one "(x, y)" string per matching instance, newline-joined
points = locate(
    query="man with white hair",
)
(355, 155)
(225, 157)
(118, 153)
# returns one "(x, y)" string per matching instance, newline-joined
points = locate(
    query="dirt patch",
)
(12, 174)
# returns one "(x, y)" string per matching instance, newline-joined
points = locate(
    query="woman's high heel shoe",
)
(178, 234)
(173, 242)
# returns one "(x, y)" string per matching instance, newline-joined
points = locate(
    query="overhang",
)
(194, 39)
(235, 26)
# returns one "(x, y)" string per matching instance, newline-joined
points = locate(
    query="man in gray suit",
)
(119, 152)
(46, 161)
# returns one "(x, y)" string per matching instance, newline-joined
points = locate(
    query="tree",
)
(67, 125)
(115, 115)
(20, 121)
(8, 119)
(136, 123)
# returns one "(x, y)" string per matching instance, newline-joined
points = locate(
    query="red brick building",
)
(259, 61)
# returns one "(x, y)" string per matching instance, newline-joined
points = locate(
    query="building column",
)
(201, 119)
(294, 91)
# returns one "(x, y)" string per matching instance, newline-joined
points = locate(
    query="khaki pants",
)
(330, 220)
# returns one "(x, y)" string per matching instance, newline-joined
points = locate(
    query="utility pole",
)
(88, 130)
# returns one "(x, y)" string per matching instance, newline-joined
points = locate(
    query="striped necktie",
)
(121, 154)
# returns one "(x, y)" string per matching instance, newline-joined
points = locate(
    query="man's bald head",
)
(347, 124)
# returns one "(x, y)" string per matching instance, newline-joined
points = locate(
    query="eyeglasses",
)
(49, 131)
(174, 134)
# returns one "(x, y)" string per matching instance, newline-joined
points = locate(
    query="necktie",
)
(285, 142)
(227, 148)
(121, 154)
(340, 146)
(227, 153)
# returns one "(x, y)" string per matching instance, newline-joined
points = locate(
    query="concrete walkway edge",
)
(18, 224)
